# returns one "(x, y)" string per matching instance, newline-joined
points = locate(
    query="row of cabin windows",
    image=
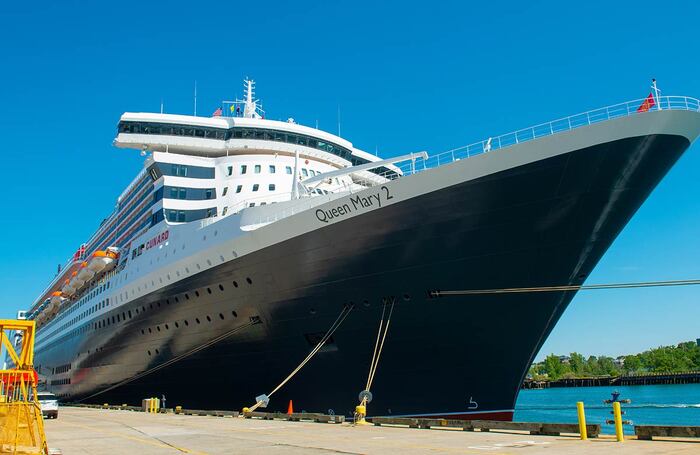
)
(249, 133)
(190, 194)
(186, 170)
(185, 216)
(272, 169)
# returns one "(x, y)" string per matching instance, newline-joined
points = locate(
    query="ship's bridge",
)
(246, 131)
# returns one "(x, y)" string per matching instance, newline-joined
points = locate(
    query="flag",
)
(647, 104)
(217, 112)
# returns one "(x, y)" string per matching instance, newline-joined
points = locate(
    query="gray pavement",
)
(97, 431)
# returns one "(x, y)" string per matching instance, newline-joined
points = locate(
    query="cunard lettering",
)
(155, 241)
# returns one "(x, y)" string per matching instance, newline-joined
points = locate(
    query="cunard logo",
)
(155, 241)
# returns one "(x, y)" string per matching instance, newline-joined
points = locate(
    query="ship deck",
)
(84, 430)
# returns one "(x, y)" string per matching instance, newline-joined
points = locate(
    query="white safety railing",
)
(561, 125)
(417, 165)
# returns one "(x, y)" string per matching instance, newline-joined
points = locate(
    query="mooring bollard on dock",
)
(581, 421)
(618, 422)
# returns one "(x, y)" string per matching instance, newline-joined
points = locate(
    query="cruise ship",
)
(244, 240)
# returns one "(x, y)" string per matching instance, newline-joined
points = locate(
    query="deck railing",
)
(561, 125)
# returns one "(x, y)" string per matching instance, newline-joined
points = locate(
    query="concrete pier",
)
(102, 431)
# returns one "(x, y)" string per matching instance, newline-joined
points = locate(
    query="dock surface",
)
(101, 431)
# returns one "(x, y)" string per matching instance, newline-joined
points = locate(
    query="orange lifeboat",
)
(67, 288)
(103, 261)
(85, 273)
(57, 298)
(76, 282)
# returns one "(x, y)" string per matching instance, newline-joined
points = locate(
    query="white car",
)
(49, 404)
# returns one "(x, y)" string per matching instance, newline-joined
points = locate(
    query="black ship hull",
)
(541, 224)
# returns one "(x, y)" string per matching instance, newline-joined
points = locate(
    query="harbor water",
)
(651, 405)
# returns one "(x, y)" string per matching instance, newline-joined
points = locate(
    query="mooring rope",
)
(338, 321)
(580, 287)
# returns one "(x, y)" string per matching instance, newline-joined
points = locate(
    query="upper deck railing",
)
(561, 125)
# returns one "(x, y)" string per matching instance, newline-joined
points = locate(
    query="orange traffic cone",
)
(290, 408)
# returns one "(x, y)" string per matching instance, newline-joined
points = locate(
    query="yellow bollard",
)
(618, 422)
(581, 421)
(178, 409)
(360, 413)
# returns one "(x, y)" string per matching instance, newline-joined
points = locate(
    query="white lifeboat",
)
(76, 282)
(67, 288)
(103, 260)
(85, 273)
(57, 298)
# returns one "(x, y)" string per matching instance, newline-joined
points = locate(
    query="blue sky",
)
(407, 76)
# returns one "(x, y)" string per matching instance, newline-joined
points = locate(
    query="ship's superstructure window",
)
(271, 187)
(272, 169)
(184, 216)
(223, 193)
(288, 169)
(256, 187)
(244, 168)
(304, 172)
(190, 194)
(230, 170)
(258, 168)
(239, 188)
(186, 170)
(249, 133)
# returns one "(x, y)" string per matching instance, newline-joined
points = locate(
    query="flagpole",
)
(656, 93)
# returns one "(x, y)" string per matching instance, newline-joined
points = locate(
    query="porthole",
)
(235, 284)
(149, 330)
(222, 258)
(177, 300)
(177, 326)
(166, 327)
(235, 255)
(208, 262)
(204, 238)
(186, 323)
(196, 293)
(221, 287)
(199, 267)
(249, 280)
(143, 332)
(149, 352)
(234, 314)
(197, 320)
(187, 269)
(187, 297)
(208, 318)
(177, 272)
(209, 290)
(312, 311)
(406, 297)
(221, 316)
(157, 352)
(215, 232)
(167, 301)
(365, 303)
(158, 328)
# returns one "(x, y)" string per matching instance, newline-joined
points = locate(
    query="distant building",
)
(564, 359)
(620, 361)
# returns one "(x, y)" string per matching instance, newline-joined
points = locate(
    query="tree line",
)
(664, 359)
